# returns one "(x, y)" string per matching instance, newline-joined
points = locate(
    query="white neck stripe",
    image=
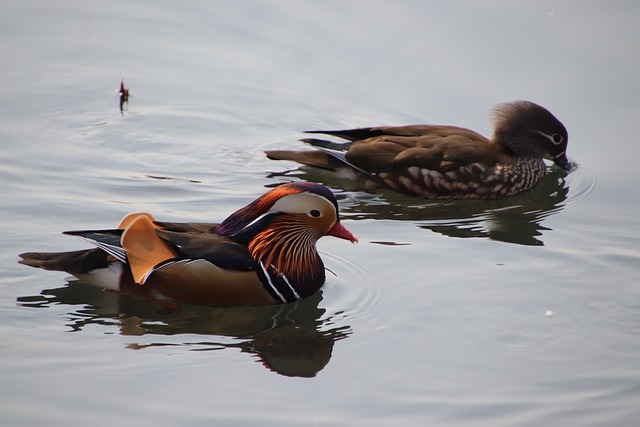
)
(271, 285)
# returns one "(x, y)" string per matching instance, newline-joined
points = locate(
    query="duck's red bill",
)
(338, 230)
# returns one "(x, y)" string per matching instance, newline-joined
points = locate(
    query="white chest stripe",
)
(293, 291)
(271, 285)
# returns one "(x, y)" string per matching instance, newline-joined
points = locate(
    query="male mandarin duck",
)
(446, 162)
(264, 253)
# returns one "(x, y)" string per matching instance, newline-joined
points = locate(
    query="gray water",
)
(518, 312)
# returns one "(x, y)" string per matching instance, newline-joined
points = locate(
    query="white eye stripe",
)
(556, 138)
(302, 203)
(291, 204)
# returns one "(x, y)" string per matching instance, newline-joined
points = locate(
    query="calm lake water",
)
(519, 312)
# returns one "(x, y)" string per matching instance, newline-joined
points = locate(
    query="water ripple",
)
(351, 288)
(584, 186)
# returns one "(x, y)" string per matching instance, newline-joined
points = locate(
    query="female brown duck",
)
(446, 162)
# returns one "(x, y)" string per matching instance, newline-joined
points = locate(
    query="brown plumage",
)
(444, 162)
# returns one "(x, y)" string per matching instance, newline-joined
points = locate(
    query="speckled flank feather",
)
(474, 181)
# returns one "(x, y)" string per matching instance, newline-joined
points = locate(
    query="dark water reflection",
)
(292, 339)
(517, 219)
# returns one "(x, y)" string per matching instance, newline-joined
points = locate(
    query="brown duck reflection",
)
(290, 339)
(516, 219)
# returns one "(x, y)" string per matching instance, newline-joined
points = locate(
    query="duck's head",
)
(281, 229)
(304, 208)
(529, 130)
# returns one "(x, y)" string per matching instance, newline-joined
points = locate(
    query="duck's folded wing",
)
(388, 148)
(198, 240)
(188, 227)
(360, 134)
(211, 247)
(441, 149)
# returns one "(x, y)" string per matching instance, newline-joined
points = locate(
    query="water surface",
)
(523, 311)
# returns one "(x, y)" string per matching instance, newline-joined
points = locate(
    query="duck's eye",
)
(314, 213)
(557, 138)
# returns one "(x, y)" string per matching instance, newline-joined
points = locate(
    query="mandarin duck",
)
(264, 253)
(445, 162)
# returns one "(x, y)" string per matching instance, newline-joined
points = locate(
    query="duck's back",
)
(439, 148)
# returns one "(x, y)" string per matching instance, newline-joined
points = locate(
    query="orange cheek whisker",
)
(288, 246)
